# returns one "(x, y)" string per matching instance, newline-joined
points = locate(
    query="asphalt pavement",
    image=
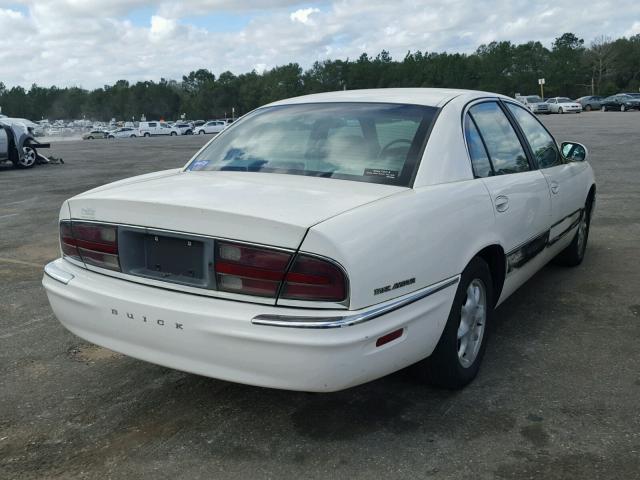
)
(558, 395)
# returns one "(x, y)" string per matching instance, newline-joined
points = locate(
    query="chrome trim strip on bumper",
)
(55, 272)
(299, 321)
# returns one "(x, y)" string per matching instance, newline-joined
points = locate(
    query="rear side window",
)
(479, 158)
(503, 146)
(542, 144)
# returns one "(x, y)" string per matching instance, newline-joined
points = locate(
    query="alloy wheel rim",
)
(28, 157)
(473, 316)
(582, 234)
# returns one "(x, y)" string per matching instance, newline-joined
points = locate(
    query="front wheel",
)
(456, 359)
(29, 157)
(623, 108)
(560, 110)
(573, 255)
(587, 108)
(173, 134)
(132, 136)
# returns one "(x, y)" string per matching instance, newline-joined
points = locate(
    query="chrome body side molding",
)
(316, 321)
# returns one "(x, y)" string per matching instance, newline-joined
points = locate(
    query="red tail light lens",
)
(249, 270)
(314, 279)
(93, 243)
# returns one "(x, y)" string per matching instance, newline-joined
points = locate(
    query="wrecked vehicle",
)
(18, 144)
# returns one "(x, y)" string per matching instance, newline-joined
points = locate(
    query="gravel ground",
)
(557, 396)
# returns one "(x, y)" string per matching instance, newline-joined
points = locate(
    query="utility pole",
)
(541, 83)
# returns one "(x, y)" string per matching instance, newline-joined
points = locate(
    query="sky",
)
(90, 43)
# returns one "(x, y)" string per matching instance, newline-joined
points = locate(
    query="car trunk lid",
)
(264, 208)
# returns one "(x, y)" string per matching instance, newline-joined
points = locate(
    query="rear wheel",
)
(147, 134)
(623, 108)
(173, 134)
(587, 108)
(456, 359)
(132, 136)
(560, 110)
(89, 137)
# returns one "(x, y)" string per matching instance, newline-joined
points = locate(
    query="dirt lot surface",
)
(558, 396)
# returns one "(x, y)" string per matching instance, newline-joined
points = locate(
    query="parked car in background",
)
(147, 129)
(590, 102)
(95, 134)
(18, 145)
(185, 128)
(213, 126)
(534, 103)
(124, 132)
(621, 102)
(563, 105)
(199, 123)
(253, 263)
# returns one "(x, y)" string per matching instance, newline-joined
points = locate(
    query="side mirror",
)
(573, 151)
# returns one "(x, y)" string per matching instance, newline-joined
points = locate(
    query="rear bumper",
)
(216, 338)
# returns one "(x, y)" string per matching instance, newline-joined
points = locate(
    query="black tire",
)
(604, 108)
(188, 132)
(110, 137)
(560, 110)
(587, 108)
(573, 255)
(623, 108)
(89, 137)
(173, 134)
(444, 367)
(147, 134)
(132, 136)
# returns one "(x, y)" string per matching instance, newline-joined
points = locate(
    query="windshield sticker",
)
(381, 172)
(199, 165)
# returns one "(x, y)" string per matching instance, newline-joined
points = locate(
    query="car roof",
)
(433, 97)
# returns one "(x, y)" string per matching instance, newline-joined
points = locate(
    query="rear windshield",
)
(366, 142)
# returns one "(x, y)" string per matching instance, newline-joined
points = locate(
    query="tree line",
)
(570, 68)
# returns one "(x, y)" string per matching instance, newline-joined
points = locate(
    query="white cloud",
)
(302, 15)
(91, 43)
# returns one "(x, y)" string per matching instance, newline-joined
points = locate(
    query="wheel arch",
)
(495, 257)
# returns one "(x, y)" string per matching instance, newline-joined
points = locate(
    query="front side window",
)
(503, 146)
(366, 142)
(541, 142)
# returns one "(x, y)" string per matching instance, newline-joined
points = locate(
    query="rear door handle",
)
(502, 203)
(555, 187)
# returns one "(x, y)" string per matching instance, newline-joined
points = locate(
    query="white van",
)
(157, 128)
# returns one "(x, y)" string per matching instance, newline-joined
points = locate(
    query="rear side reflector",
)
(389, 337)
(315, 279)
(250, 270)
(92, 243)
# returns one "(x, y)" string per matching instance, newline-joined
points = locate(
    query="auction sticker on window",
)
(381, 172)
(199, 165)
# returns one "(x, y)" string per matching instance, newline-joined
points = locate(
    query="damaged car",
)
(18, 144)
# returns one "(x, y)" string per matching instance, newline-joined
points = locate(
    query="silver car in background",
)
(534, 103)
(18, 144)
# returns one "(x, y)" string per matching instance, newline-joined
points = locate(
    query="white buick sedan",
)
(324, 241)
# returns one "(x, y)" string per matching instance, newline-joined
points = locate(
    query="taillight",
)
(249, 270)
(261, 271)
(93, 243)
(314, 279)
